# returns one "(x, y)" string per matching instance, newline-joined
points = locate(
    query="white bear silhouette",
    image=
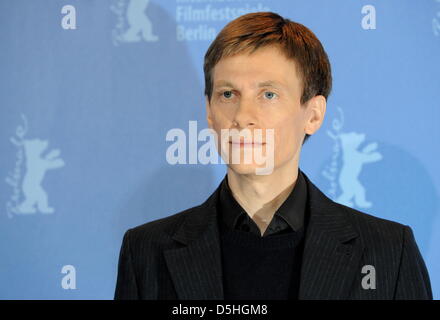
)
(36, 167)
(139, 23)
(353, 160)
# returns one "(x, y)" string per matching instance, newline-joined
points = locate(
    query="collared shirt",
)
(289, 217)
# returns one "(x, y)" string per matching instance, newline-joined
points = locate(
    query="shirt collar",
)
(292, 210)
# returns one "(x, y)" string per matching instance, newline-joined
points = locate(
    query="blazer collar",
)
(329, 265)
(196, 268)
(332, 250)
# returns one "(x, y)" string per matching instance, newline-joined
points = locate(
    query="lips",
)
(246, 144)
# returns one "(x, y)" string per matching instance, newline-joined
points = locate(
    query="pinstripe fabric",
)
(179, 257)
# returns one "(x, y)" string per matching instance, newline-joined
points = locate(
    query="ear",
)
(315, 112)
(208, 113)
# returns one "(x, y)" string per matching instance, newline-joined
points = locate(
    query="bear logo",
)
(140, 24)
(352, 162)
(36, 166)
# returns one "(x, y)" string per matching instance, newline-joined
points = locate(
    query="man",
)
(276, 235)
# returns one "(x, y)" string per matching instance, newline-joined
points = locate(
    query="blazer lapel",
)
(332, 250)
(195, 268)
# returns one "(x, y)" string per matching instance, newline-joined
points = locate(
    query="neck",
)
(262, 195)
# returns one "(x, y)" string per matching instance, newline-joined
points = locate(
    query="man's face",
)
(261, 90)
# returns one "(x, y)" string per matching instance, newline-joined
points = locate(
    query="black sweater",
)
(256, 267)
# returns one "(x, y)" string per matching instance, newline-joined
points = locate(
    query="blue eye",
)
(269, 95)
(227, 94)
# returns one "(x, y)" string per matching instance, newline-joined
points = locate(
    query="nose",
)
(245, 116)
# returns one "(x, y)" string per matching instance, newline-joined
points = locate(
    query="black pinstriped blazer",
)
(179, 257)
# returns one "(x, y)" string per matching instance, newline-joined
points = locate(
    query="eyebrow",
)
(264, 84)
(269, 83)
(223, 83)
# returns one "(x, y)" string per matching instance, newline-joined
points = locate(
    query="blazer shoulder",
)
(163, 225)
(373, 228)
(159, 230)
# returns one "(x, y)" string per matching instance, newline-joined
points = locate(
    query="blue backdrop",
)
(90, 88)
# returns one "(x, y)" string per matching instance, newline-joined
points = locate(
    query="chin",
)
(246, 169)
